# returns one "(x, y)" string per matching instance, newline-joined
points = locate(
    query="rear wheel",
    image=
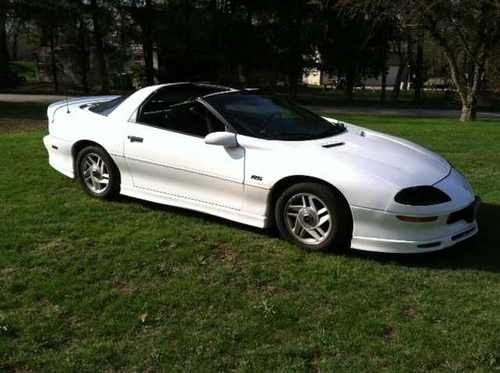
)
(98, 173)
(314, 217)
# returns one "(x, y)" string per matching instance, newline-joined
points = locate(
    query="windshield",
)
(271, 118)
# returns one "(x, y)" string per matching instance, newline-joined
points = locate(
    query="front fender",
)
(267, 163)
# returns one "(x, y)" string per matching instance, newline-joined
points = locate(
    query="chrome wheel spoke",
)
(322, 211)
(320, 231)
(105, 177)
(313, 232)
(103, 169)
(310, 198)
(300, 231)
(298, 228)
(323, 220)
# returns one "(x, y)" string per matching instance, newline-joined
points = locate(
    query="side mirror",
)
(226, 139)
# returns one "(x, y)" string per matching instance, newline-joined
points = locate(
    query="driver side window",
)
(190, 118)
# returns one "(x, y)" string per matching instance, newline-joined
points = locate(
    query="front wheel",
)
(314, 217)
(97, 172)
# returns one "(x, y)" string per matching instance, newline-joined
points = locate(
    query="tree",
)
(48, 15)
(5, 73)
(144, 15)
(467, 30)
(419, 67)
(97, 13)
(83, 53)
(402, 47)
(355, 41)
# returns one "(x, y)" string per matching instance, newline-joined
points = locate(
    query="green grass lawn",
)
(87, 285)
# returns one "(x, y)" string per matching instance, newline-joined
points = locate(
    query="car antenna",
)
(67, 102)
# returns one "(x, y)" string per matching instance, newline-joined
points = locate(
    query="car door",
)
(166, 153)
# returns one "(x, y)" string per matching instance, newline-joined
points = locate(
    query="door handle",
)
(135, 139)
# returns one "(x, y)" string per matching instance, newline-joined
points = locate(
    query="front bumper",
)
(380, 231)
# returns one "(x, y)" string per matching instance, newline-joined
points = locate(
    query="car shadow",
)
(481, 252)
(271, 232)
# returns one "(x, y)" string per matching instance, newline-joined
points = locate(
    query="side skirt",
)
(166, 199)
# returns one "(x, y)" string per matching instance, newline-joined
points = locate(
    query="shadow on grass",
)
(199, 215)
(481, 252)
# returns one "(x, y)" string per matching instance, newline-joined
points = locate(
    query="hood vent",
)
(334, 145)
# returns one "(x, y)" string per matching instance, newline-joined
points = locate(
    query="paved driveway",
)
(11, 97)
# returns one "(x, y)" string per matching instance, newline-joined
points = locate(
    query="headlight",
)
(465, 182)
(424, 195)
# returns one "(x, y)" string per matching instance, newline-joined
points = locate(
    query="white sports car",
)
(260, 160)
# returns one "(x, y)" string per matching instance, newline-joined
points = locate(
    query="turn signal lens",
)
(414, 219)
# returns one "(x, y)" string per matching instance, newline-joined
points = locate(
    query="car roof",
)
(200, 89)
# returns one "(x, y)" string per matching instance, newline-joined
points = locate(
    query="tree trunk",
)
(383, 91)
(293, 83)
(294, 70)
(15, 40)
(396, 88)
(383, 83)
(147, 48)
(187, 71)
(409, 65)
(84, 58)
(407, 77)
(349, 85)
(466, 83)
(402, 72)
(469, 109)
(419, 68)
(295, 64)
(99, 46)
(242, 80)
(147, 44)
(53, 61)
(5, 77)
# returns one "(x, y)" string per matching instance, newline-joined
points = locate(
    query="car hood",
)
(398, 161)
(391, 159)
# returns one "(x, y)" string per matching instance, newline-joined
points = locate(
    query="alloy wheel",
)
(308, 218)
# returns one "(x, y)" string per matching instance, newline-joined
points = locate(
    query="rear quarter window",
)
(107, 107)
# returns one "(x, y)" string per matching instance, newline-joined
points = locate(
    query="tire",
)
(97, 173)
(314, 217)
